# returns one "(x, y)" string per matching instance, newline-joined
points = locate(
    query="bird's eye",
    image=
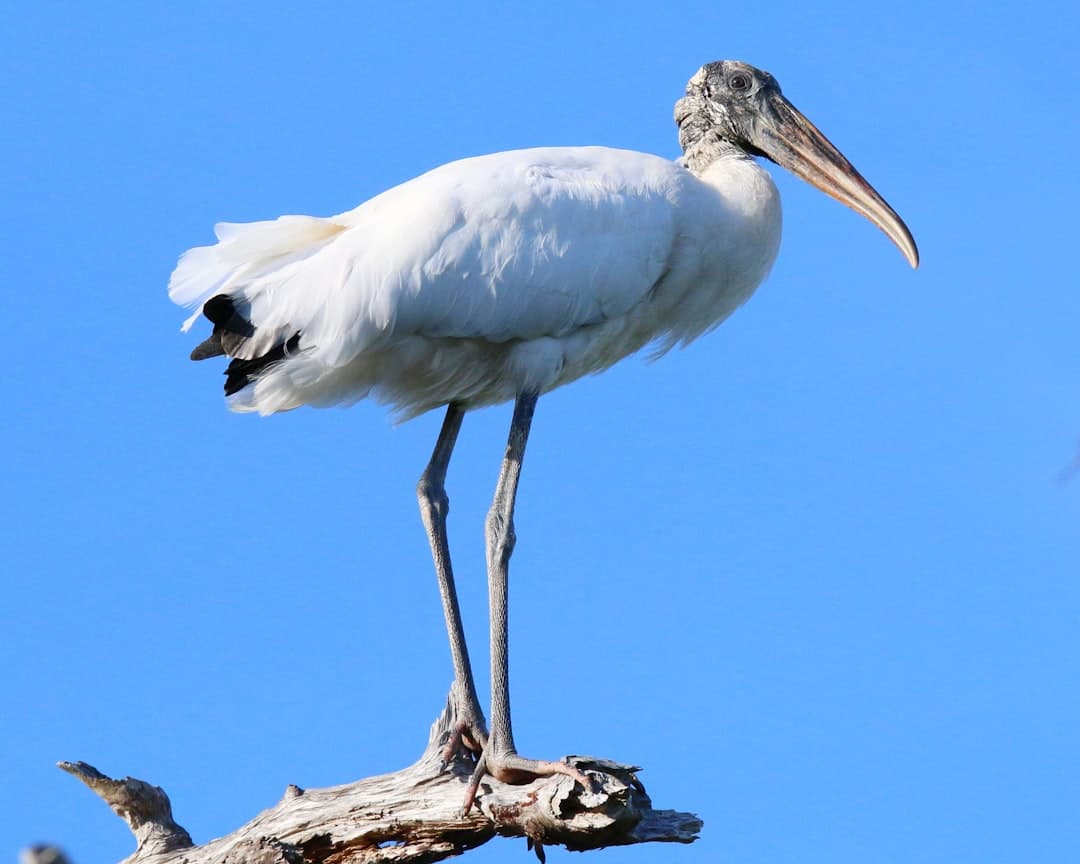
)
(739, 82)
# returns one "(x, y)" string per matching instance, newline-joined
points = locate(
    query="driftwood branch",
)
(413, 815)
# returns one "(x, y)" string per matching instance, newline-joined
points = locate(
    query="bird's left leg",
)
(469, 730)
(500, 758)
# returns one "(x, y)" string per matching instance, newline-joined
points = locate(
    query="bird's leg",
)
(500, 757)
(470, 731)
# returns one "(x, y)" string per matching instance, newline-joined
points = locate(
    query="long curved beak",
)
(784, 135)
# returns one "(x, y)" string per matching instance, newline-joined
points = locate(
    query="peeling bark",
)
(413, 815)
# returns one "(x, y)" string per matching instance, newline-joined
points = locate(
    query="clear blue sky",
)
(818, 568)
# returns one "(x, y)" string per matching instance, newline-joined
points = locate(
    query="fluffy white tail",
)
(244, 253)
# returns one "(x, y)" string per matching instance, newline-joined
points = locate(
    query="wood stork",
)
(503, 277)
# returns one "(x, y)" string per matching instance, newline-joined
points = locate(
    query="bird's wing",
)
(515, 245)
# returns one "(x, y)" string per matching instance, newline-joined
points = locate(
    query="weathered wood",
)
(413, 815)
(145, 808)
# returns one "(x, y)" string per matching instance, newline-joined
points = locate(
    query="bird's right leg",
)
(500, 757)
(470, 730)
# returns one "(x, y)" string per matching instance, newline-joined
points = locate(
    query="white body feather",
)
(486, 277)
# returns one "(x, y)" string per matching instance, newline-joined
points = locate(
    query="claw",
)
(469, 733)
(474, 784)
(460, 743)
(514, 769)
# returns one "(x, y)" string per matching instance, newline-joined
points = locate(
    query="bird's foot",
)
(507, 766)
(468, 732)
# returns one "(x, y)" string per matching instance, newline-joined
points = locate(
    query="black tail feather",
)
(231, 330)
(222, 311)
(240, 373)
(211, 347)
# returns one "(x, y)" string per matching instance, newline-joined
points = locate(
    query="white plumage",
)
(489, 276)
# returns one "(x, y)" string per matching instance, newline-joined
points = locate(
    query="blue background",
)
(817, 573)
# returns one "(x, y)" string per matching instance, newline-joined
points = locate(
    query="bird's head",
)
(733, 103)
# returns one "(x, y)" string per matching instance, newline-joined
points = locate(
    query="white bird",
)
(501, 278)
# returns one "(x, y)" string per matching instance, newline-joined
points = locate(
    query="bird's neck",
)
(700, 137)
(701, 151)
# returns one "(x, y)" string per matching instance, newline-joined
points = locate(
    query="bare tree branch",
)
(413, 815)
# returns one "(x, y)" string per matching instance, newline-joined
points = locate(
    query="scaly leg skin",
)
(470, 732)
(500, 758)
